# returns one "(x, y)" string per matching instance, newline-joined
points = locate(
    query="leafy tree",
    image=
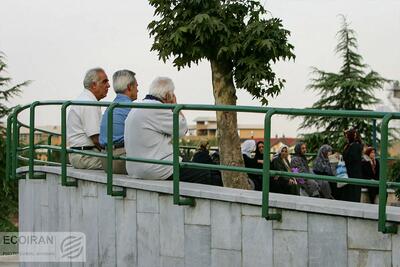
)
(394, 174)
(241, 43)
(352, 88)
(8, 190)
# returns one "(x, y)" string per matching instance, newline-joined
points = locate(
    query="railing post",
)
(374, 143)
(110, 155)
(176, 165)
(49, 151)
(63, 155)
(32, 151)
(15, 139)
(266, 168)
(383, 178)
(8, 147)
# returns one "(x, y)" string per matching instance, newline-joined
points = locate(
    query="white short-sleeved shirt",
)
(83, 121)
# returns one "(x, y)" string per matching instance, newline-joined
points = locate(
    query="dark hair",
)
(353, 136)
(369, 150)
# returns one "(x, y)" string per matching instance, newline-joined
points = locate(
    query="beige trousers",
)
(118, 165)
(79, 161)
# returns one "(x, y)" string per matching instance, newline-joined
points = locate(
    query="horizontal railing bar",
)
(58, 148)
(253, 109)
(356, 181)
(282, 111)
(153, 161)
(220, 167)
(39, 130)
(42, 161)
(393, 185)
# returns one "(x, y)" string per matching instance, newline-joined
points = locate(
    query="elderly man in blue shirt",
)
(125, 86)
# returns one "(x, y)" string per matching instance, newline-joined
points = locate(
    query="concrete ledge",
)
(298, 203)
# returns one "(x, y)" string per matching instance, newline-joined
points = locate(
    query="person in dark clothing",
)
(299, 163)
(370, 170)
(202, 155)
(248, 147)
(282, 184)
(259, 153)
(352, 155)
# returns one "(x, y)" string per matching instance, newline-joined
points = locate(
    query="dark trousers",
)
(372, 193)
(191, 175)
(282, 186)
(349, 192)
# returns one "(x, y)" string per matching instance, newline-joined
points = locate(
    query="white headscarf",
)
(248, 147)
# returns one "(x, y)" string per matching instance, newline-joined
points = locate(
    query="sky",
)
(53, 43)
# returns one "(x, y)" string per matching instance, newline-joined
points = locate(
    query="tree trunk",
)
(228, 138)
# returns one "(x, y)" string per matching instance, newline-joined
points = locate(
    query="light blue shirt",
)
(119, 116)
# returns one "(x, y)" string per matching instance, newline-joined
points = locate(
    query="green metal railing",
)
(12, 148)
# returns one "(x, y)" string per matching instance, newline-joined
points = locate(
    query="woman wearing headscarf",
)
(322, 166)
(248, 147)
(283, 184)
(259, 154)
(352, 155)
(370, 170)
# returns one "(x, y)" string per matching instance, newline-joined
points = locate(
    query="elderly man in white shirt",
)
(83, 122)
(148, 134)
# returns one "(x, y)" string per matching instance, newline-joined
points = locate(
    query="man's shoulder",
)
(86, 95)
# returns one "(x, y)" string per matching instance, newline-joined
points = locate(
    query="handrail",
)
(12, 148)
(39, 130)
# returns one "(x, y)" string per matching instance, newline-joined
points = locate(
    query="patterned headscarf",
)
(321, 163)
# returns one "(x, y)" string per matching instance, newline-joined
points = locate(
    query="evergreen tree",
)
(8, 190)
(352, 88)
(241, 42)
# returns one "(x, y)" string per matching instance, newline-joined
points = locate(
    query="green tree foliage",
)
(394, 174)
(8, 190)
(241, 42)
(236, 33)
(352, 88)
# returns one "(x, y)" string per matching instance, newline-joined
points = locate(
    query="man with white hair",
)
(83, 122)
(148, 135)
(125, 85)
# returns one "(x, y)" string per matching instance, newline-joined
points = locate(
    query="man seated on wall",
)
(148, 135)
(83, 122)
(125, 85)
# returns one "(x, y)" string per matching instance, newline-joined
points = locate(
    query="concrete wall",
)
(223, 229)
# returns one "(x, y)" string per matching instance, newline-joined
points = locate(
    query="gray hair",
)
(121, 80)
(161, 87)
(91, 76)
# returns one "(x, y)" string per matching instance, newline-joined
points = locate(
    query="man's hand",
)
(95, 140)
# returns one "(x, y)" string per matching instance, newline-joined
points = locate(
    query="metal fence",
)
(13, 148)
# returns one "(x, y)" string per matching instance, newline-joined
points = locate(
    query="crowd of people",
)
(147, 133)
(359, 160)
